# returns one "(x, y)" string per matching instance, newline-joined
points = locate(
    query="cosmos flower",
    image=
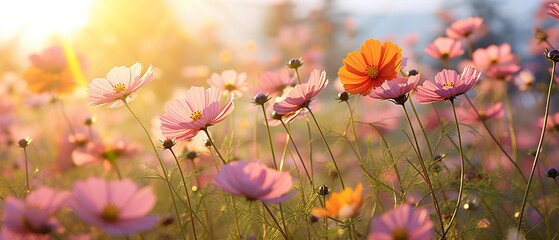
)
(98, 152)
(120, 85)
(199, 109)
(464, 28)
(395, 90)
(254, 181)
(301, 95)
(403, 222)
(447, 85)
(118, 207)
(50, 72)
(468, 115)
(485, 58)
(342, 205)
(369, 67)
(33, 217)
(274, 82)
(445, 48)
(229, 82)
(553, 10)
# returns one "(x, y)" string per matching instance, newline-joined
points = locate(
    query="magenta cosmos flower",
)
(32, 218)
(403, 222)
(198, 110)
(553, 10)
(445, 48)
(464, 28)
(120, 85)
(229, 82)
(302, 95)
(395, 90)
(255, 181)
(447, 85)
(118, 207)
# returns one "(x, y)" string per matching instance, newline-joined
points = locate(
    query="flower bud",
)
(412, 72)
(552, 173)
(295, 63)
(552, 55)
(260, 99)
(191, 155)
(323, 190)
(168, 143)
(23, 143)
(343, 96)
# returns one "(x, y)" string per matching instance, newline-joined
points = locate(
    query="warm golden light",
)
(42, 19)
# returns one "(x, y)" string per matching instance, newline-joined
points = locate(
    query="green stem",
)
(298, 153)
(163, 168)
(462, 172)
(328, 147)
(425, 171)
(538, 150)
(496, 141)
(275, 221)
(422, 128)
(512, 132)
(186, 192)
(269, 136)
(236, 217)
(28, 190)
(213, 144)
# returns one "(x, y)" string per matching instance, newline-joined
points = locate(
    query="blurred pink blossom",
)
(445, 48)
(229, 81)
(118, 207)
(464, 28)
(275, 82)
(255, 181)
(553, 10)
(469, 115)
(403, 222)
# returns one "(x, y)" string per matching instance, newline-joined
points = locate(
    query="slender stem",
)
(469, 46)
(496, 141)
(354, 131)
(26, 171)
(422, 128)
(538, 150)
(65, 116)
(328, 147)
(462, 172)
(298, 153)
(235, 217)
(512, 132)
(269, 137)
(117, 169)
(275, 221)
(186, 192)
(213, 144)
(163, 168)
(425, 171)
(298, 76)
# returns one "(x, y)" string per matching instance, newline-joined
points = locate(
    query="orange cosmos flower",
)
(368, 68)
(342, 205)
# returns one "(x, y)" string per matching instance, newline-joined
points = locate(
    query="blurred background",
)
(187, 40)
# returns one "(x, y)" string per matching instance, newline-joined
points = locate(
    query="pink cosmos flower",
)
(447, 85)
(469, 115)
(120, 85)
(229, 82)
(395, 89)
(50, 60)
(302, 95)
(198, 110)
(403, 222)
(463, 28)
(118, 207)
(524, 80)
(32, 218)
(274, 82)
(553, 10)
(503, 72)
(98, 152)
(445, 48)
(255, 181)
(485, 58)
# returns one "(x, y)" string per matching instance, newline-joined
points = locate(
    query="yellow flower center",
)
(230, 86)
(448, 84)
(196, 115)
(119, 87)
(110, 213)
(400, 234)
(373, 72)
